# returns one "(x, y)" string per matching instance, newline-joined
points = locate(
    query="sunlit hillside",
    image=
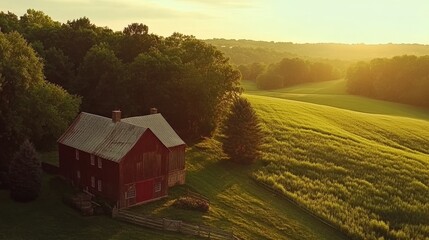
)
(367, 173)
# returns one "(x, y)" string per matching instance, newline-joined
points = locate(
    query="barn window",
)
(76, 153)
(100, 164)
(92, 159)
(99, 185)
(93, 181)
(78, 174)
(131, 193)
(158, 187)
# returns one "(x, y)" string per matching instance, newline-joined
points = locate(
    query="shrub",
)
(25, 174)
(191, 203)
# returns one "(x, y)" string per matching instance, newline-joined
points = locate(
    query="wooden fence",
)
(174, 226)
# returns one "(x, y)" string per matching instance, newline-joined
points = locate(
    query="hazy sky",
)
(346, 21)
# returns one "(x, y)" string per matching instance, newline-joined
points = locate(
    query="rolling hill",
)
(362, 165)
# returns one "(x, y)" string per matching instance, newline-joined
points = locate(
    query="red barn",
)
(128, 161)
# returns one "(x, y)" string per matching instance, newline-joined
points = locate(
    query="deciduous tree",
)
(29, 106)
(100, 81)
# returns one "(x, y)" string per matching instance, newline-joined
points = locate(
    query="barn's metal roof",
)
(100, 136)
(159, 126)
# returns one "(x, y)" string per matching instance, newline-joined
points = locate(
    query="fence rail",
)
(175, 226)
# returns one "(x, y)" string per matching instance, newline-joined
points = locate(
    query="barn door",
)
(144, 190)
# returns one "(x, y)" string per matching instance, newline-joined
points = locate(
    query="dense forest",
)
(288, 72)
(48, 68)
(403, 79)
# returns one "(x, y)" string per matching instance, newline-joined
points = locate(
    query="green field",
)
(368, 173)
(333, 93)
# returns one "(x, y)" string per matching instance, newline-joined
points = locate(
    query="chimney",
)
(153, 110)
(116, 116)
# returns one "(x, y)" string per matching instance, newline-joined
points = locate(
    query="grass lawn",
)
(50, 157)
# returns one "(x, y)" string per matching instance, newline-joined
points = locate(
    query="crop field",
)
(368, 174)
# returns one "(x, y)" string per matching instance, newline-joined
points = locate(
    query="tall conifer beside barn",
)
(242, 133)
(25, 174)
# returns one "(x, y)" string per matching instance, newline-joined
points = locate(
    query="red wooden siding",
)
(142, 168)
(177, 158)
(176, 171)
(108, 173)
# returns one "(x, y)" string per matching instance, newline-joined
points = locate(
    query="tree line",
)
(51, 70)
(349, 52)
(287, 72)
(403, 79)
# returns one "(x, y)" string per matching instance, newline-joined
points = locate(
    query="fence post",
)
(163, 223)
(114, 212)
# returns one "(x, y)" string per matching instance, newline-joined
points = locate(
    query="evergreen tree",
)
(25, 174)
(242, 133)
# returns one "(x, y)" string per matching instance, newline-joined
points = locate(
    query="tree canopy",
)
(30, 107)
(402, 79)
(291, 71)
(189, 81)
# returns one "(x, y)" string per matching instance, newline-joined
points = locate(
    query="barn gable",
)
(159, 126)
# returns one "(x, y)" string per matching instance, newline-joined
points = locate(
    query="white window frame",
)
(131, 193)
(99, 185)
(76, 154)
(92, 159)
(99, 162)
(78, 174)
(158, 187)
(93, 181)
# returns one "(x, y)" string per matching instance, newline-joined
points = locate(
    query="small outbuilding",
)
(127, 161)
